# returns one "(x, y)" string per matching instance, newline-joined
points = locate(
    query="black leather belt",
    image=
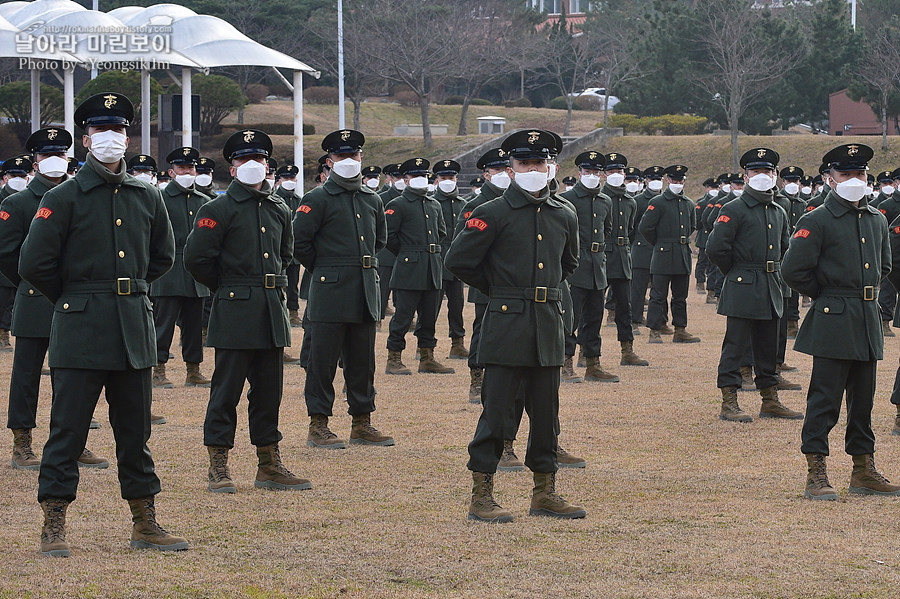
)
(269, 281)
(539, 295)
(121, 286)
(362, 261)
(683, 240)
(595, 247)
(768, 265)
(868, 293)
(621, 240)
(431, 248)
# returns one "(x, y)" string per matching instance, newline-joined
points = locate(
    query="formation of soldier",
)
(542, 262)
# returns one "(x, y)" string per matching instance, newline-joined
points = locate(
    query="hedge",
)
(666, 124)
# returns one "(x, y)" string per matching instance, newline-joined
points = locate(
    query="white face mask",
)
(762, 182)
(431, 188)
(163, 185)
(818, 189)
(568, 188)
(447, 185)
(676, 188)
(108, 146)
(870, 190)
(203, 180)
(185, 180)
(144, 176)
(371, 183)
(476, 190)
(807, 189)
(654, 185)
(851, 190)
(17, 183)
(632, 187)
(887, 190)
(53, 166)
(400, 185)
(615, 179)
(251, 172)
(532, 181)
(551, 171)
(738, 192)
(418, 182)
(726, 188)
(590, 181)
(347, 168)
(289, 185)
(791, 188)
(500, 179)
(713, 193)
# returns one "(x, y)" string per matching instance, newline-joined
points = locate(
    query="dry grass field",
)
(679, 503)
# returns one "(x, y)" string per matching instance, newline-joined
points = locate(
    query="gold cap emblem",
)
(760, 153)
(110, 101)
(142, 158)
(52, 133)
(592, 155)
(613, 156)
(446, 164)
(249, 135)
(345, 135)
(533, 136)
(418, 162)
(18, 161)
(852, 150)
(501, 153)
(791, 170)
(187, 151)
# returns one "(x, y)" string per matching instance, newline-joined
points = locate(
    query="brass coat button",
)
(740, 279)
(31, 292)
(65, 306)
(121, 254)
(266, 255)
(118, 222)
(231, 294)
(540, 266)
(504, 308)
(826, 309)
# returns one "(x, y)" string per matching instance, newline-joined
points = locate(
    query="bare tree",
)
(879, 71)
(738, 62)
(412, 42)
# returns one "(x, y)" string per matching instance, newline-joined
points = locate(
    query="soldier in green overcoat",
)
(96, 243)
(838, 255)
(239, 246)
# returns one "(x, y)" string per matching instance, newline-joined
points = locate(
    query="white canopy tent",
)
(193, 42)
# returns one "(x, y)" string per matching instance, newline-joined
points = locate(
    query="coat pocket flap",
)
(507, 306)
(829, 305)
(743, 277)
(408, 257)
(326, 276)
(72, 303)
(234, 293)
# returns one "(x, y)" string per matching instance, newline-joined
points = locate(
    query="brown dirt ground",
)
(679, 503)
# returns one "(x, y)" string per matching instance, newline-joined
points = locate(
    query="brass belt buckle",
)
(770, 266)
(123, 286)
(595, 247)
(683, 240)
(540, 295)
(367, 261)
(620, 241)
(270, 281)
(433, 248)
(869, 293)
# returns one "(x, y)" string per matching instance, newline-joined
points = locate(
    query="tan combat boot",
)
(289, 359)
(782, 383)
(23, 457)
(787, 367)
(483, 508)
(296, 321)
(610, 318)
(395, 365)
(160, 381)
(667, 330)
(682, 336)
(546, 502)
(156, 418)
(747, 382)
(701, 288)
(886, 328)
(477, 379)
(429, 365)
(5, 345)
(792, 329)
(866, 480)
(194, 378)
(363, 433)
(53, 534)
(731, 411)
(147, 533)
(95, 424)
(711, 296)
(219, 477)
(655, 336)
(271, 473)
(564, 459)
(817, 485)
(580, 363)
(896, 430)
(567, 373)
(458, 351)
(773, 408)
(629, 358)
(595, 372)
(509, 461)
(87, 459)
(320, 436)
(203, 333)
